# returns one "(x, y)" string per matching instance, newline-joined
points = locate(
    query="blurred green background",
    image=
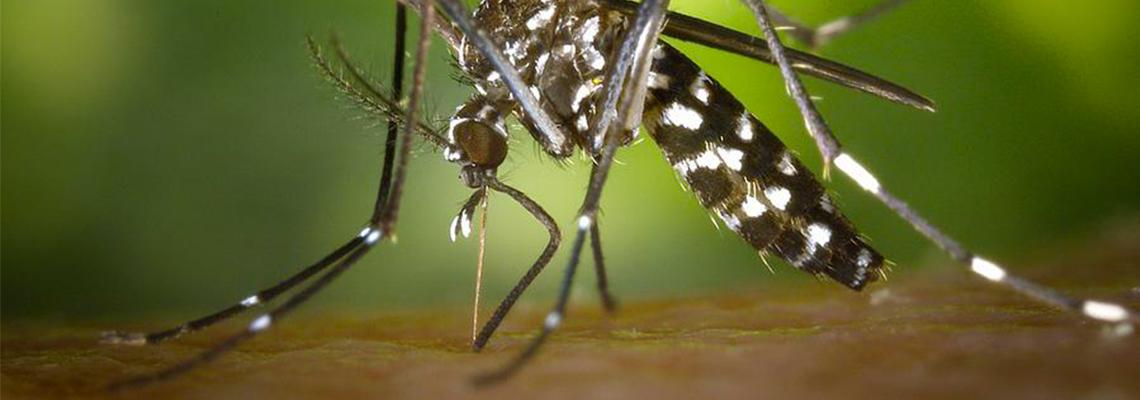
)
(166, 158)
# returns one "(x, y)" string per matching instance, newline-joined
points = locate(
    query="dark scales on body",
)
(735, 166)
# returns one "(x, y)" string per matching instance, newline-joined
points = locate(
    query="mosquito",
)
(584, 76)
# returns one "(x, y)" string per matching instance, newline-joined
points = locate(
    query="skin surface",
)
(933, 334)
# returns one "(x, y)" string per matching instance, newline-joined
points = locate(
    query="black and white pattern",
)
(560, 49)
(737, 168)
(741, 172)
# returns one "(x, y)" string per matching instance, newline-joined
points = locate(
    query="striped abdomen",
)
(740, 171)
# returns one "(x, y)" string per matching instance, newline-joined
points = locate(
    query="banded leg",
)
(382, 225)
(269, 294)
(263, 296)
(360, 248)
(508, 302)
(832, 152)
(614, 120)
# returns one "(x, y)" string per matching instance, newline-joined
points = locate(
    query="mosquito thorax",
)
(559, 50)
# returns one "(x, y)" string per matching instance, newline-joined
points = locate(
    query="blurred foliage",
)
(170, 157)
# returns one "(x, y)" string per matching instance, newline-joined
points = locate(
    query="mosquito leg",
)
(819, 131)
(706, 33)
(258, 325)
(832, 152)
(552, 321)
(608, 301)
(819, 36)
(268, 294)
(535, 269)
(397, 93)
(263, 296)
(443, 27)
(380, 228)
(639, 41)
(1094, 309)
(633, 59)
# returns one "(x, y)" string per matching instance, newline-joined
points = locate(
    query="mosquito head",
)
(477, 140)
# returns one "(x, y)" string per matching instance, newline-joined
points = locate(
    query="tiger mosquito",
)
(585, 75)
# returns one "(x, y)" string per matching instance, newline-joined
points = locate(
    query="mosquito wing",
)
(705, 33)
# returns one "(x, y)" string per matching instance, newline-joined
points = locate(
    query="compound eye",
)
(484, 146)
